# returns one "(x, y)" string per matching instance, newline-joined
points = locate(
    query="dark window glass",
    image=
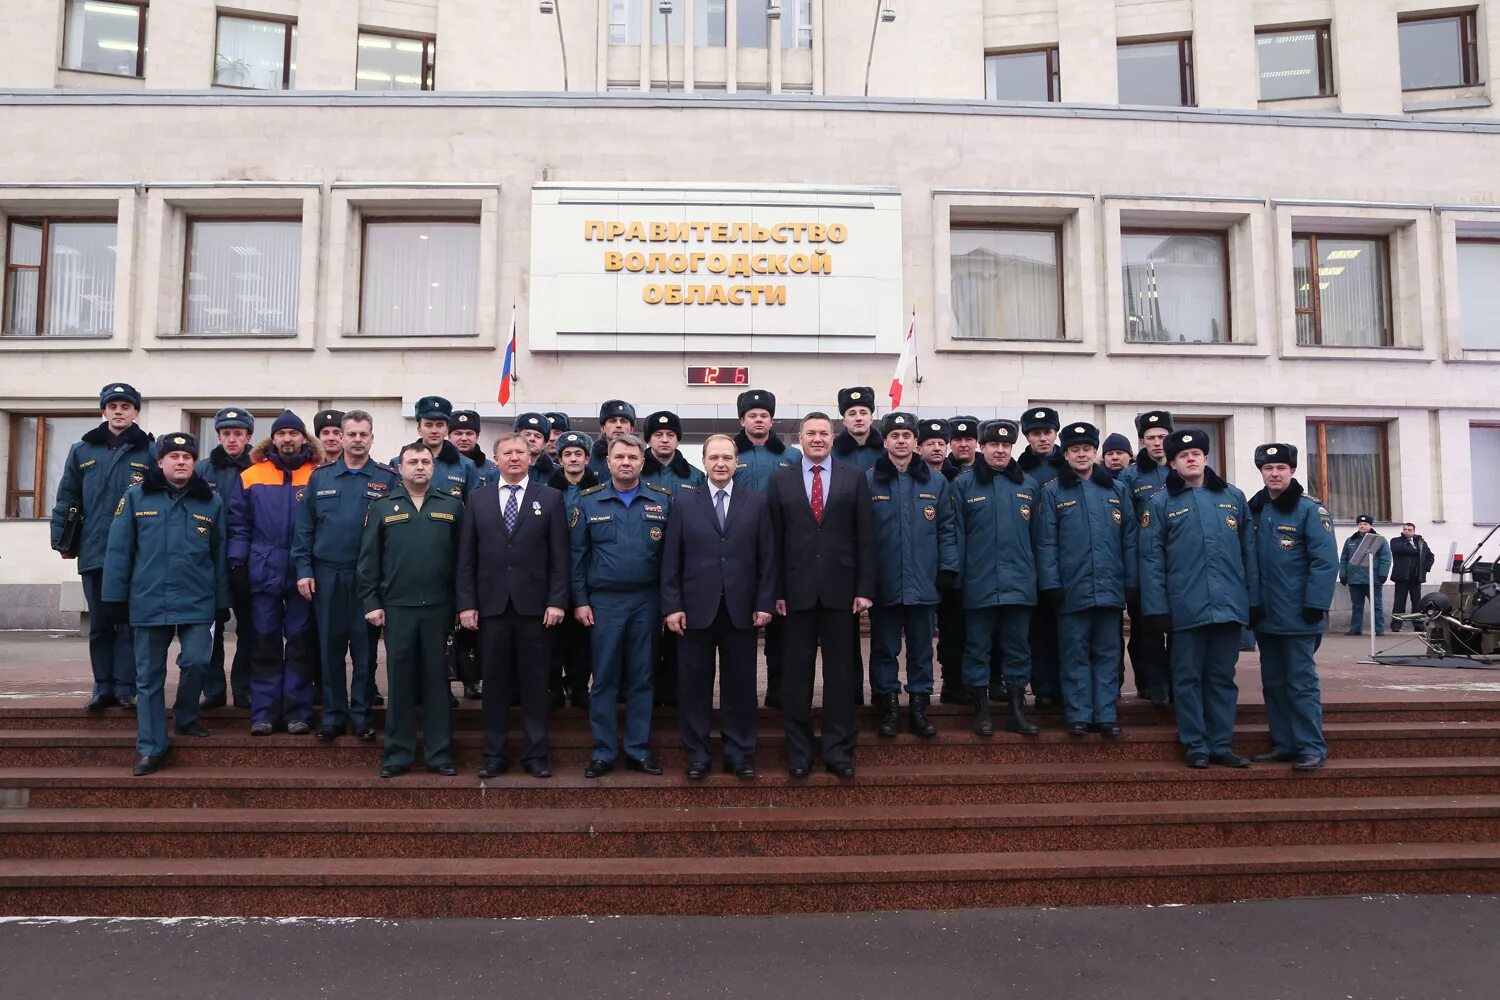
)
(1294, 63)
(1438, 52)
(1156, 72)
(1022, 76)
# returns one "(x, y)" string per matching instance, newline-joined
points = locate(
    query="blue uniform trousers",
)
(886, 627)
(237, 684)
(623, 644)
(342, 629)
(1005, 629)
(151, 641)
(111, 652)
(1203, 661)
(1089, 654)
(1294, 705)
(1358, 594)
(281, 673)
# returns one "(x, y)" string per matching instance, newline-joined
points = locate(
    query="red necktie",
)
(817, 494)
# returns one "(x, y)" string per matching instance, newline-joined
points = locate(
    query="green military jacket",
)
(408, 557)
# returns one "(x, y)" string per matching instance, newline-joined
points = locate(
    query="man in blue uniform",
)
(1358, 578)
(328, 428)
(166, 562)
(616, 539)
(1143, 479)
(996, 504)
(221, 470)
(569, 680)
(616, 419)
(1295, 558)
(963, 445)
(452, 473)
(1086, 565)
(463, 431)
(325, 555)
(916, 546)
(98, 470)
(558, 424)
(1199, 579)
(534, 429)
(759, 452)
(859, 442)
(665, 463)
(1043, 461)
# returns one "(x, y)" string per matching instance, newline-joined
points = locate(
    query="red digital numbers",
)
(718, 375)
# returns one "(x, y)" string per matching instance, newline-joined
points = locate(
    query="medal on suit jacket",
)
(536, 508)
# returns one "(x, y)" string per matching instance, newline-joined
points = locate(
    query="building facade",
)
(1279, 219)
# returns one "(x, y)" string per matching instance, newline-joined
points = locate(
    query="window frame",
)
(1458, 242)
(1383, 514)
(38, 494)
(1485, 425)
(1187, 87)
(142, 6)
(287, 23)
(1031, 227)
(1223, 237)
(365, 222)
(429, 53)
(1054, 69)
(46, 222)
(188, 222)
(1325, 59)
(1315, 293)
(1468, 43)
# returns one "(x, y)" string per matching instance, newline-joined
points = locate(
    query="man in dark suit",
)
(824, 528)
(718, 586)
(513, 566)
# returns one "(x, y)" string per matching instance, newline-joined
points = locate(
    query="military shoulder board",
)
(658, 488)
(591, 490)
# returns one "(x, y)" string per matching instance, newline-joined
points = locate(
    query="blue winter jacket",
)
(756, 462)
(1197, 554)
(98, 471)
(1086, 546)
(916, 532)
(1296, 559)
(1143, 479)
(263, 517)
(997, 533)
(166, 553)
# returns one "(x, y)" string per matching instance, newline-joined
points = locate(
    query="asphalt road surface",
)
(1371, 948)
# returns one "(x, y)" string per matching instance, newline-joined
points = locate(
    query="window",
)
(1007, 283)
(796, 23)
(394, 62)
(1022, 76)
(753, 26)
(1439, 51)
(242, 276)
(1348, 467)
(624, 22)
(1295, 62)
(420, 278)
(660, 23)
(1156, 72)
(1484, 466)
(711, 24)
(38, 450)
(1213, 429)
(60, 278)
(1176, 287)
(255, 53)
(105, 37)
(1343, 290)
(1479, 294)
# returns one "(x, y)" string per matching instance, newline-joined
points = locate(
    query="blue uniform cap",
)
(234, 416)
(119, 390)
(1080, 433)
(434, 408)
(1040, 418)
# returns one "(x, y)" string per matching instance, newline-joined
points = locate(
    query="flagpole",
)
(515, 357)
(916, 361)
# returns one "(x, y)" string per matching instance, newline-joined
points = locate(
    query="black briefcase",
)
(67, 541)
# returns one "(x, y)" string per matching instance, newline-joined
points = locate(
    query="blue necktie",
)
(512, 512)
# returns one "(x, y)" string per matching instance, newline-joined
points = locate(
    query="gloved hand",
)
(239, 583)
(1162, 623)
(115, 612)
(947, 581)
(1257, 615)
(1052, 597)
(1313, 615)
(1343, 581)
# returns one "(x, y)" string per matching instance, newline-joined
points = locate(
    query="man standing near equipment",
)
(221, 471)
(1360, 580)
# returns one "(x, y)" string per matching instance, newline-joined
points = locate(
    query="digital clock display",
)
(717, 375)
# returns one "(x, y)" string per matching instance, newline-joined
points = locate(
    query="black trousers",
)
(664, 677)
(775, 643)
(1046, 681)
(805, 632)
(570, 659)
(738, 722)
(514, 650)
(1150, 649)
(466, 665)
(1406, 589)
(950, 645)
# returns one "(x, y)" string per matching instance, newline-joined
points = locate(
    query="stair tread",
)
(565, 820)
(588, 872)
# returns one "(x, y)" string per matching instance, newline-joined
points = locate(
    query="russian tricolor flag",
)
(507, 374)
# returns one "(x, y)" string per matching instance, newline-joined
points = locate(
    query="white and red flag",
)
(908, 352)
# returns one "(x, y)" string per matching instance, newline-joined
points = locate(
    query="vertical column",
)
(689, 42)
(327, 45)
(31, 36)
(1367, 56)
(1086, 51)
(1224, 65)
(645, 14)
(732, 41)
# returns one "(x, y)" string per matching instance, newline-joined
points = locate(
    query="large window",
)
(624, 22)
(38, 450)
(1295, 62)
(394, 62)
(60, 278)
(751, 24)
(105, 37)
(663, 24)
(1007, 283)
(1439, 51)
(255, 53)
(711, 25)
(1343, 290)
(1479, 293)
(1484, 469)
(1156, 72)
(242, 276)
(420, 278)
(1176, 287)
(1022, 76)
(796, 23)
(1348, 466)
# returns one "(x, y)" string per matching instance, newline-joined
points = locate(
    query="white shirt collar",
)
(728, 488)
(521, 486)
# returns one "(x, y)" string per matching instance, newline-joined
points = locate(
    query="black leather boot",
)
(1017, 722)
(890, 713)
(919, 721)
(980, 702)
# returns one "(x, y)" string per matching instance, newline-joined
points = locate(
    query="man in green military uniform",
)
(408, 556)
